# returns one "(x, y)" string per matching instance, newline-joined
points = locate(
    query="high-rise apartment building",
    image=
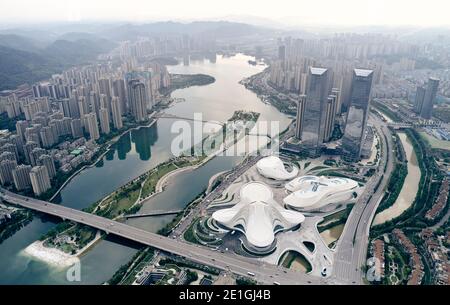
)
(104, 121)
(21, 177)
(40, 180)
(47, 161)
(6, 169)
(119, 91)
(116, 112)
(76, 128)
(137, 100)
(92, 125)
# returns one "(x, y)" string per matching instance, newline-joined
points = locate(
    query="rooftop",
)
(318, 71)
(258, 215)
(363, 72)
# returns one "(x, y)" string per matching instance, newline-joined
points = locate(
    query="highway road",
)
(352, 246)
(263, 272)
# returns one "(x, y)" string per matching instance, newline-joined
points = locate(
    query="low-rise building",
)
(415, 260)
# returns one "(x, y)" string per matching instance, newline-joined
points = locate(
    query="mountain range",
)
(30, 54)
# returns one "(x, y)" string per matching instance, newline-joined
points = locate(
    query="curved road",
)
(352, 246)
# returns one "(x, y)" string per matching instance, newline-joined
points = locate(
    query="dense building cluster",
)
(54, 118)
(162, 46)
(415, 260)
(436, 253)
(440, 203)
(331, 90)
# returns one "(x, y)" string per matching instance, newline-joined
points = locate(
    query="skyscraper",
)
(35, 154)
(76, 128)
(83, 106)
(418, 102)
(47, 161)
(28, 148)
(330, 114)
(357, 114)
(137, 100)
(429, 98)
(300, 116)
(337, 93)
(21, 126)
(47, 137)
(104, 86)
(282, 52)
(6, 168)
(314, 116)
(74, 109)
(40, 180)
(104, 121)
(92, 124)
(116, 113)
(105, 89)
(21, 177)
(11, 148)
(94, 101)
(7, 155)
(120, 92)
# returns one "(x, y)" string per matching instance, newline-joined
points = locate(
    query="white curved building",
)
(315, 192)
(258, 216)
(272, 167)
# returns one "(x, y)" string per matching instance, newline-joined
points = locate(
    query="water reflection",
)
(144, 139)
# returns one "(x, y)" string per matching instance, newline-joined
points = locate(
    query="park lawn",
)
(433, 142)
(120, 201)
(189, 234)
(126, 202)
(154, 176)
(86, 235)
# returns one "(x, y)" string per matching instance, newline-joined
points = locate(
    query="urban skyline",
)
(226, 153)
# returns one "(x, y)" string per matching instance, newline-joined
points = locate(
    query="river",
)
(410, 187)
(135, 153)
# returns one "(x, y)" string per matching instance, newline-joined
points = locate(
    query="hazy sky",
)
(325, 12)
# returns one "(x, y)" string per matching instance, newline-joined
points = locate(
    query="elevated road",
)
(352, 246)
(263, 272)
(154, 213)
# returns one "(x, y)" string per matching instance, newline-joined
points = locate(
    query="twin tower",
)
(317, 110)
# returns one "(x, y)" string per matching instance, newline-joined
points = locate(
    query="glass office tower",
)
(313, 126)
(357, 114)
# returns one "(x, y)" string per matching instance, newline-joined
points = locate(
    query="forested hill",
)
(22, 61)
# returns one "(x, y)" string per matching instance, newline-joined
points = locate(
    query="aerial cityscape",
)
(165, 144)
